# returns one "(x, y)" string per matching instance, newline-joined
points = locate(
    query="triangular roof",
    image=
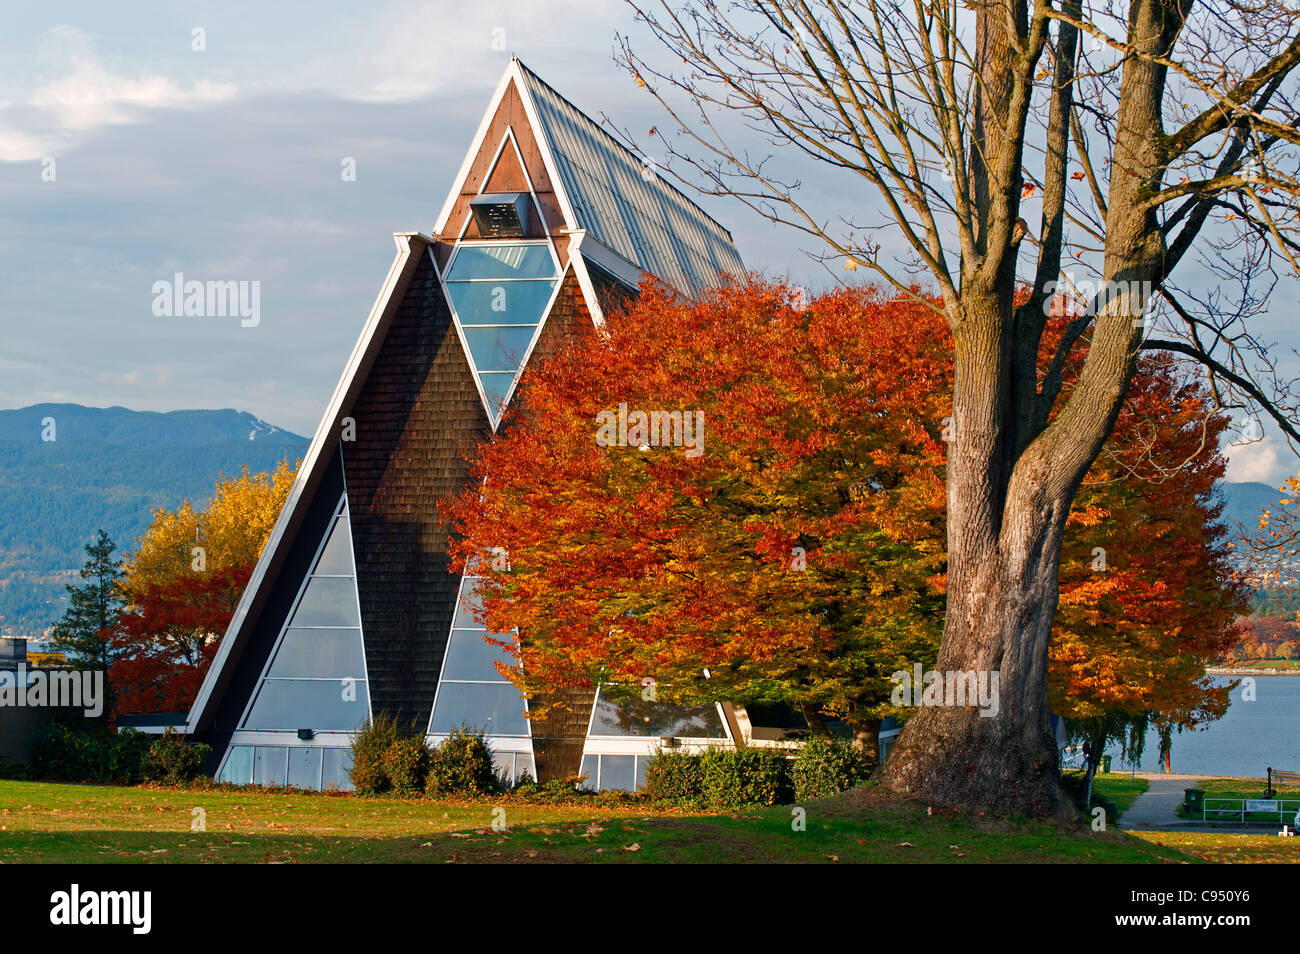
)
(611, 194)
(614, 218)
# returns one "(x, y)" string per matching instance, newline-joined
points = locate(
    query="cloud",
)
(73, 92)
(1258, 461)
(415, 50)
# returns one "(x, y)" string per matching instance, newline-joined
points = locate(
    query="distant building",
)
(351, 609)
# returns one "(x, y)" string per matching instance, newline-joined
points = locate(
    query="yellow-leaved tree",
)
(183, 582)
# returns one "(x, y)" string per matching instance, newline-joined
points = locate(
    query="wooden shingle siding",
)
(558, 736)
(416, 416)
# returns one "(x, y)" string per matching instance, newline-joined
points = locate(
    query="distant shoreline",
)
(1221, 671)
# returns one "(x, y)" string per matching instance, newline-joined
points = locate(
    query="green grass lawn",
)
(44, 822)
(1119, 789)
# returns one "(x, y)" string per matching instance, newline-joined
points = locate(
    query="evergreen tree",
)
(93, 619)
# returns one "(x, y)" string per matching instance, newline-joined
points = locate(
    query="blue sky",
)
(224, 164)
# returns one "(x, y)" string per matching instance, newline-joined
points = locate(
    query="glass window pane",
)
(642, 770)
(470, 656)
(655, 719)
(268, 765)
(467, 605)
(496, 387)
(502, 261)
(617, 771)
(238, 767)
(319, 704)
(319, 652)
(500, 303)
(524, 766)
(328, 602)
(336, 557)
(304, 766)
(503, 763)
(589, 769)
(499, 349)
(337, 764)
(495, 708)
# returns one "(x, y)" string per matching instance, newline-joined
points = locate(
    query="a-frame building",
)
(351, 609)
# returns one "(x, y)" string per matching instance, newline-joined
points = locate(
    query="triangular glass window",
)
(471, 692)
(316, 676)
(499, 293)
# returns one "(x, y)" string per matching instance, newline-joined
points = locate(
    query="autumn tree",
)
(985, 145)
(779, 552)
(183, 583)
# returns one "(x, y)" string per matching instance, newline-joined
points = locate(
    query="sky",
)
(210, 139)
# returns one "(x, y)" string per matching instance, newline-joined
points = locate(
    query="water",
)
(1246, 741)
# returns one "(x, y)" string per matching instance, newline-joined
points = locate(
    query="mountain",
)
(1242, 502)
(68, 470)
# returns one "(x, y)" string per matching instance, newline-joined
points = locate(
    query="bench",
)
(1280, 775)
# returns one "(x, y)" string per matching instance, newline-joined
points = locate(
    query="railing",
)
(1285, 809)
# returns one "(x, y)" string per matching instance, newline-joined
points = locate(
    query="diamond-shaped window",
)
(499, 293)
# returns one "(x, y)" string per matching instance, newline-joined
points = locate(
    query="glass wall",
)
(623, 736)
(471, 691)
(642, 719)
(299, 766)
(316, 677)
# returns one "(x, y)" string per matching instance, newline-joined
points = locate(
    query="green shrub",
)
(15, 771)
(406, 765)
(173, 760)
(556, 790)
(675, 776)
(368, 774)
(126, 756)
(462, 765)
(733, 778)
(63, 754)
(827, 767)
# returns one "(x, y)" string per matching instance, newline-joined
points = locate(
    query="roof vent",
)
(500, 214)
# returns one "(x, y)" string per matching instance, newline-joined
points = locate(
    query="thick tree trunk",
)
(1002, 758)
(1006, 514)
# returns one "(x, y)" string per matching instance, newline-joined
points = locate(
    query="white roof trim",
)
(316, 457)
(502, 85)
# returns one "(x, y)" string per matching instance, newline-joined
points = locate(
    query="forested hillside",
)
(67, 470)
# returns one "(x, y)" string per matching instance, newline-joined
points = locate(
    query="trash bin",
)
(1105, 764)
(1194, 800)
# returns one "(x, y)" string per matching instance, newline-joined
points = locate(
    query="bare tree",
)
(1145, 129)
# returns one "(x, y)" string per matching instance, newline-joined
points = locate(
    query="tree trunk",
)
(1005, 762)
(866, 736)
